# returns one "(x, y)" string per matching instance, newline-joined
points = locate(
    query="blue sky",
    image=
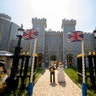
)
(22, 12)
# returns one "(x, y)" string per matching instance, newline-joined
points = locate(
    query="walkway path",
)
(44, 88)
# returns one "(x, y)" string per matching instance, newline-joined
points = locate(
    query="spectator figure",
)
(52, 72)
(3, 73)
(61, 77)
(70, 62)
(66, 64)
(47, 64)
(2, 66)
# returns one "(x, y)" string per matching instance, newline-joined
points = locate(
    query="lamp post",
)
(94, 33)
(13, 80)
(17, 53)
(94, 56)
(94, 36)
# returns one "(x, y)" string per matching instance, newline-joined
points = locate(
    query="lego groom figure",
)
(52, 72)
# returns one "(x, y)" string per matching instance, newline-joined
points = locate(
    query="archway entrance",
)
(40, 59)
(70, 59)
(53, 58)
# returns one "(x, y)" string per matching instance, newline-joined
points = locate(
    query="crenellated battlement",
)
(68, 22)
(39, 21)
(88, 33)
(5, 17)
(55, 33)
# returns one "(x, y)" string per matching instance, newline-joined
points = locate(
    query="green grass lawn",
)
(72, 73)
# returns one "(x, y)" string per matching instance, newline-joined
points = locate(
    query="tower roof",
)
(68, 22)
(5, 17)
(39, 21)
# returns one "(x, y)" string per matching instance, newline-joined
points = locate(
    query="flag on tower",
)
(30, 34)
(75, 36)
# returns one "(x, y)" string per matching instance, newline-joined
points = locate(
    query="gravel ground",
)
(44, 88)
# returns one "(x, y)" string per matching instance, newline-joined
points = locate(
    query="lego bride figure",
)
(61, 77)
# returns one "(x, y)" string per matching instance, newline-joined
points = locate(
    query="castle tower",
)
(41, 25)
(67, 26)
(5, 26)
(5, 17)
(8, 32)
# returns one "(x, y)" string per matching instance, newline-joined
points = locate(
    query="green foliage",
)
(53, 58)
(18, 93)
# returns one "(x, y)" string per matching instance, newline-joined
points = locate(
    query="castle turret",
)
(38, 22)
(67, 26)
(5, 17)
(41, 25)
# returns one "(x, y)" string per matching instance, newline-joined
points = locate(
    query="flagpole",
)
(33, 60)
(30, 86)
(31, 55)
(83, 67)
(31, 48)
(84, 89)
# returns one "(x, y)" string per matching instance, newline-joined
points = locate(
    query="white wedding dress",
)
(61, 77)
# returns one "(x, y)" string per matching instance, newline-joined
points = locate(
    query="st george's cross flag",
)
(30, 34)
(75, 36)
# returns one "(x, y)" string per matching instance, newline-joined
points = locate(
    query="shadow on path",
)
(63, 84)
(53, 84)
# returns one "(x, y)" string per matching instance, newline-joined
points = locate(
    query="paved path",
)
(44, 88)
